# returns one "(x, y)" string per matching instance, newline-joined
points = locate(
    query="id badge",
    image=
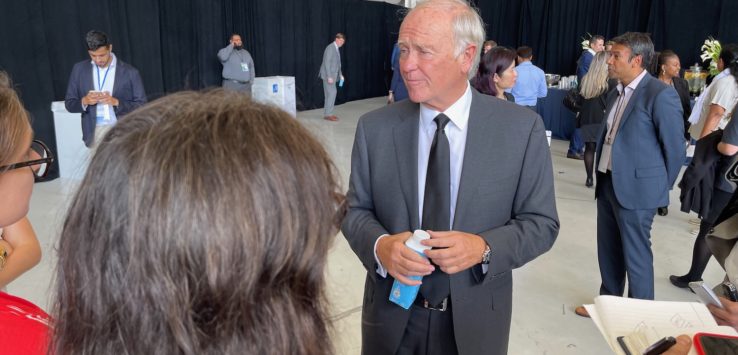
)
(244, 67)
(605, 157)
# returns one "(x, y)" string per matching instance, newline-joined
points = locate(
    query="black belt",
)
(445, 305)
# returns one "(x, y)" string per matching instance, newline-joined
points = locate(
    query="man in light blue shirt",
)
(531, 83)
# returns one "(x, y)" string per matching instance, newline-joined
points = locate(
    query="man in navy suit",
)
(596, 44)
(639, 154)
(103, 89)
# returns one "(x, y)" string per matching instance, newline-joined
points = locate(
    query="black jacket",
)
(699, 179)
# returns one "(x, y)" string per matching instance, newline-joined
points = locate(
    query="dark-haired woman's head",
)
(202, 226)
(496, 71)
(728, 57)
(667, 64)
(15, 141)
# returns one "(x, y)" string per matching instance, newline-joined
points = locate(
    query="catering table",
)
(557, 118)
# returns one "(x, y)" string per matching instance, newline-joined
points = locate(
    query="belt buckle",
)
(444, 305)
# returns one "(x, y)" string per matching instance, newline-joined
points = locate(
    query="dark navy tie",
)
(436, 206)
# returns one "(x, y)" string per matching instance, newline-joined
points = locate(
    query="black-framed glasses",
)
(39, 166)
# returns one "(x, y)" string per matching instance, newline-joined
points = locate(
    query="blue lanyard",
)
(100, 86)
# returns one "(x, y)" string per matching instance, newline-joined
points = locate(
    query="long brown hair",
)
(14, 123)
(202, 226)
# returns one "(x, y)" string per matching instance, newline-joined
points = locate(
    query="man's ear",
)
(467, 57)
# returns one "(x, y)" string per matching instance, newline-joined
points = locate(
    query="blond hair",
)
(594, 83)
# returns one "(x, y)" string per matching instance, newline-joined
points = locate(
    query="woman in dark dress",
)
(666, 69)
(593, 89)
(496, 73)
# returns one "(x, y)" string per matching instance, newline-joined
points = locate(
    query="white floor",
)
(546, 290)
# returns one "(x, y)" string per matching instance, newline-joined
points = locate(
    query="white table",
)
(71, 152)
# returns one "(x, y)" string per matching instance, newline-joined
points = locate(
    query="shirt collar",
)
(633, 84)
(590, 50)
(527, 62)
(458, 112)
(112, 62)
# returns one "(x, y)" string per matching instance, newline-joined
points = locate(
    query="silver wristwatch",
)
(486, 255)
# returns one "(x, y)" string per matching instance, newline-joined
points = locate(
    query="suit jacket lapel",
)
(633, 99)
(406, 149)
(88, 79)
(117, 80)
(477, 137)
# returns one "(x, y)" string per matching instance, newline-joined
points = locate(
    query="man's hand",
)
(682, 346)
(91, 98)
(401, 261)
(459, 252)
(727, 315)
(331, 80)
(106, 99)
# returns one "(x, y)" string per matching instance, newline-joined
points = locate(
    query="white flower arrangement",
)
(585, 41)
(711, 51)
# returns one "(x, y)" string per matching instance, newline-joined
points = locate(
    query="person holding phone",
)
(102, 89)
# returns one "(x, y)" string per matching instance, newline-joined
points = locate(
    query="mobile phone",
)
(708, 344)
(730, 291)
(660, 346)
(705, 293)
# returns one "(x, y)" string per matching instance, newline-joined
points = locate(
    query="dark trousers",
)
(244, 87)
(623, 245)
(576, 144)
(428, 332)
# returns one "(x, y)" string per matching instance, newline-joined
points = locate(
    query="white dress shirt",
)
(105, 113)
(456, 131)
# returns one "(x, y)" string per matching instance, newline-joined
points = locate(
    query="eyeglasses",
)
(39, 166)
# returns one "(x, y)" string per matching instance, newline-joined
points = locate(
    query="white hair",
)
(467, 25)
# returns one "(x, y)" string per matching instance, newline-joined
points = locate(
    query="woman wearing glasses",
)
(19, 248)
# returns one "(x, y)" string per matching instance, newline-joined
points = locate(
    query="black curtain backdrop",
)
(173, 43)
(554, 28)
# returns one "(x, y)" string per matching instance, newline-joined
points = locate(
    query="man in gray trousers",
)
(238, 66)
(330, 72)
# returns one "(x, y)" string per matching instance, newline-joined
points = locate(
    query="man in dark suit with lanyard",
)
(639, 154)
(103, 89)
(473, 170)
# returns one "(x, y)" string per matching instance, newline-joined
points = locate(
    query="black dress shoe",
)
(589, 182)
(576, 156)
(681, 281)
(663, 211)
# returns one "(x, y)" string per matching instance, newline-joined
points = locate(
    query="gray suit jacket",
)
(331, 65)
(506, 195)
(649, 146)
(128, 89)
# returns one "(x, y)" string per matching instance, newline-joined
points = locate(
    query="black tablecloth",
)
(557, 118)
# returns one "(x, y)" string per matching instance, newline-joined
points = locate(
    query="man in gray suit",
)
(639, 154)
(238, 66)
(330, 73)
(473, 170)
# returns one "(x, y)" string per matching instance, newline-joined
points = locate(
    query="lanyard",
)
(616, 119)
(99, 85)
